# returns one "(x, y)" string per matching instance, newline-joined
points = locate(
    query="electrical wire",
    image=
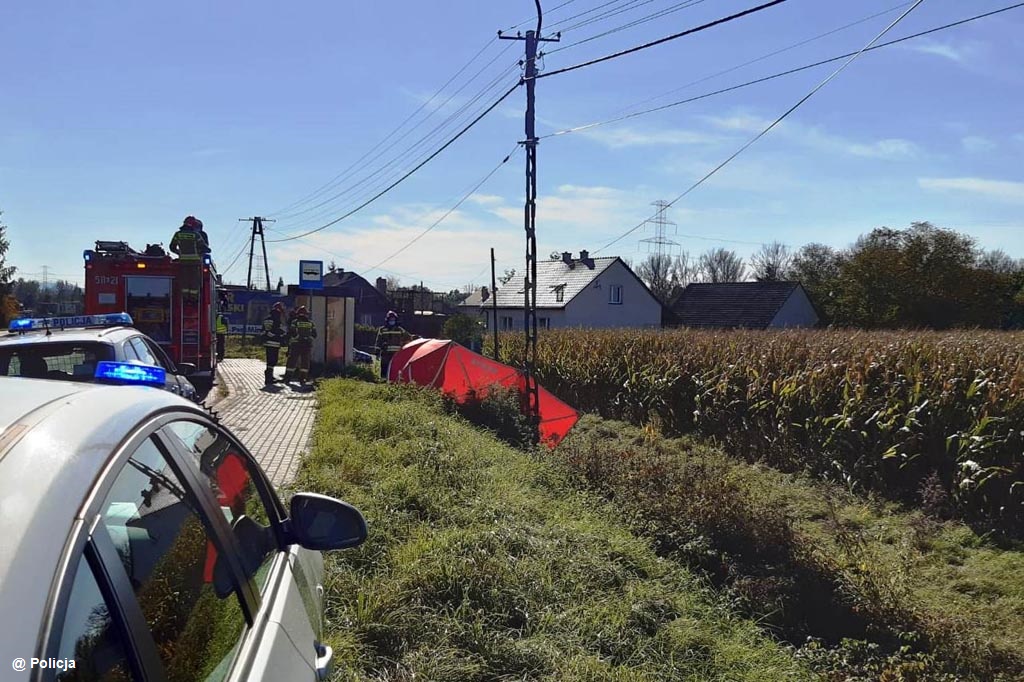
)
(691, 31)
(394, 166)
(437, 222)
(628, 7)
(391, 134)
(777, 121)
(553, 9)
(780, 74)
(636, 22)
(412, 171)
(340, 179)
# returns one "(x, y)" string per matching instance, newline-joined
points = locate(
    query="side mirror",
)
(186, 369)
(320, 522)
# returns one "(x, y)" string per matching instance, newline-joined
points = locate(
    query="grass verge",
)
(866, 589)
(488, 563)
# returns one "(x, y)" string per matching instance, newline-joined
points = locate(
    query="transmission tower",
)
(660, 243)
(259, 270)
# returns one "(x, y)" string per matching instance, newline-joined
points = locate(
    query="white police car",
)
(140, 540)
(72, 349)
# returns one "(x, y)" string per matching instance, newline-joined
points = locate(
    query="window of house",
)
(560, 293)
(544, 322)
(366, 319)
(615, 294)
(506, 323)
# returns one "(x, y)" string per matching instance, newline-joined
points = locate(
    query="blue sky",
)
(118, 119)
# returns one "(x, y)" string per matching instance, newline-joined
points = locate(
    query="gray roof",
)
(551, 275)
(747, 305)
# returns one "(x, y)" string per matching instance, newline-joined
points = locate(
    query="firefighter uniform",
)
(190, 244)
(390, 339)
(222, 332)
(302, 333)
(274, 334)
(289, 367)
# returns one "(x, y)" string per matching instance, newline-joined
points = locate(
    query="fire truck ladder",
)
(190, 327)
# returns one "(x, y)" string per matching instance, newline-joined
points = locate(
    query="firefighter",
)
(274, 334)
(189, 242)
(289, 368)
(390, 339)
(222, 333)
(302, 333)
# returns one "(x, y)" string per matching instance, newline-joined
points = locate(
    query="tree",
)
(999, 262)
(464, 329)
(393, 283)
(507, 277)
(721, 265)
(771, 262)
(8, 303)
(656, 272)
(817, 267)
(6, 271)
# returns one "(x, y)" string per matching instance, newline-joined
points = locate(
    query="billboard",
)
(245, 309)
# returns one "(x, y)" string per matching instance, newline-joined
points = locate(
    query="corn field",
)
(939, 414)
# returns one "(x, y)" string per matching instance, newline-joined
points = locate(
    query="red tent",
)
(458, 371)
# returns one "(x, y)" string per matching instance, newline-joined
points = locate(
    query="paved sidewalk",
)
(276, 423)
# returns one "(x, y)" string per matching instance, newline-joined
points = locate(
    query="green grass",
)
(881, 590)
(488, 563)
(251, 348)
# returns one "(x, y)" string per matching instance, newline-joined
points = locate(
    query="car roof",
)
(77, 334)
(55, 439)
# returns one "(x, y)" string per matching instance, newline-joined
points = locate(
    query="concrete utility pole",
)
(494, 303)
(257, 231)
(530, 220)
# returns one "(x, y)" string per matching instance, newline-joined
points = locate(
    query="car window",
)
(129, 351)
(142, 350)
(89, 636)
(186, 595)
(231, 481)
(67, 361)
(160, 354)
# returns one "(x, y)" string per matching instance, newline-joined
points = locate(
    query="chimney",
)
(382, 285)
(484, 293)
(586, 259)
(567, 258)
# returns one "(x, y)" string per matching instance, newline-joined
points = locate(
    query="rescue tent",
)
(460, 373)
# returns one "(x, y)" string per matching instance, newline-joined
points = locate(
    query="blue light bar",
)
(130, 373)
(26, 324)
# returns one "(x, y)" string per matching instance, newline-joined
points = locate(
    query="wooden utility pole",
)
(494, 303)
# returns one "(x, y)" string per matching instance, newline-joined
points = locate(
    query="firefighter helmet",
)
(278, 307)
(302, 311)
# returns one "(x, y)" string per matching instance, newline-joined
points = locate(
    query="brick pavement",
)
(276, 423)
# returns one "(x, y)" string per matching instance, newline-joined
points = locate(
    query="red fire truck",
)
(147, 286)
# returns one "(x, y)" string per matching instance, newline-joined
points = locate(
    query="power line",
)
(413, 170)
(354, 164)
(774, 76)
(637, 22)
(628, 7)
(451, 210)
(666, 39)
(394, 164)
(553, 9)
(780, 119)
(452, 117)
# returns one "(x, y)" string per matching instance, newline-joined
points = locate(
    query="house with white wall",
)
(595, 293)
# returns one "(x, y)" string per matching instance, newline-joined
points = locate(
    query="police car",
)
(73, 349)
(142, 541)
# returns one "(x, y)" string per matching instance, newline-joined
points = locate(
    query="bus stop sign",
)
(311, 274)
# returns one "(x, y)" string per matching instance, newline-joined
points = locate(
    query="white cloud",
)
(816, 138)
(1019, 138)
(944, 50)
(617, 138)
(976, 144)
(486, 199)
(1003, 190)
